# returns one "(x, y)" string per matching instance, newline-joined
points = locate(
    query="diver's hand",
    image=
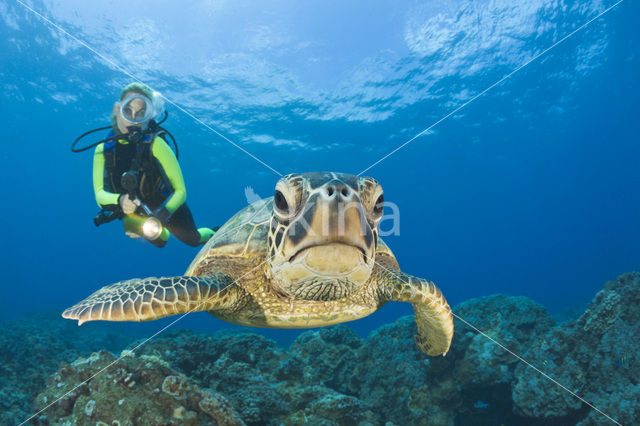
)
(127, 205)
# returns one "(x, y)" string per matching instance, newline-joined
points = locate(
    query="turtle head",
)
(323, 234)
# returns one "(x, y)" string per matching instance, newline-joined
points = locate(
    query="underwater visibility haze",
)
(520, 205)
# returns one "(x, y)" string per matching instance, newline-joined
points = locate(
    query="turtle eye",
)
(281, 202)
(378, 207)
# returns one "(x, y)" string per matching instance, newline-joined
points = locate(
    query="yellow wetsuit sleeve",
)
(171, 168)
(103, 197)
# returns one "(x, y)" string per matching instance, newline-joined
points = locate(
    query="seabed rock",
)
(330, 376)
(595, 356)
(132, 390)
(32, 350)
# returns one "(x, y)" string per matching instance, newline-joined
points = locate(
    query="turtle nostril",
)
(337, 190)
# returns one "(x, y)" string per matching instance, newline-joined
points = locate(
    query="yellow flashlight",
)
(152, 228)
(148, 227)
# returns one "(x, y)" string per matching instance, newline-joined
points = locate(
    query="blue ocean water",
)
(531, 189)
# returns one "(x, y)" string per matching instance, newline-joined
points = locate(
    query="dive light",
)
(152, 228)
(148, 225)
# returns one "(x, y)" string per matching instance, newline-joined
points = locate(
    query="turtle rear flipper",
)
(152, 298)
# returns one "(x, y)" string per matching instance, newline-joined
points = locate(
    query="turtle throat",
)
(324, 289)
(322, 272)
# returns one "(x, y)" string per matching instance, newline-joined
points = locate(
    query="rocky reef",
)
(596, 357)
(33, 348)
(104, 390)
(331, 376)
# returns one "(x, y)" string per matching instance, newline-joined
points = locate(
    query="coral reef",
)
(594, 356)
(133, 390)
(445, 390)
(33, 348)
(265, 383)
(331, 376)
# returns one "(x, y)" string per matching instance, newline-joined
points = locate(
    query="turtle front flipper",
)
(432, 312)
(152, 298)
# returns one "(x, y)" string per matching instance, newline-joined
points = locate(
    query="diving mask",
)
(136, 109)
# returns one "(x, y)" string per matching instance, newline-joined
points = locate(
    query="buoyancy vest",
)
(153, 185)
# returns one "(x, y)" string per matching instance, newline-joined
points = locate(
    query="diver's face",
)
(136, 108)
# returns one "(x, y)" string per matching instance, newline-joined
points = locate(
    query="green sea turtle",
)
(309, 256)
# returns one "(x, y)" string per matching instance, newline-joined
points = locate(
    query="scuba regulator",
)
(135, 134)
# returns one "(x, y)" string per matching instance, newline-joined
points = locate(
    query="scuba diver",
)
(136, 176)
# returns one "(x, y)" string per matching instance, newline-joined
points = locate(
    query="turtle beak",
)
(330, 220)
(297, 254)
